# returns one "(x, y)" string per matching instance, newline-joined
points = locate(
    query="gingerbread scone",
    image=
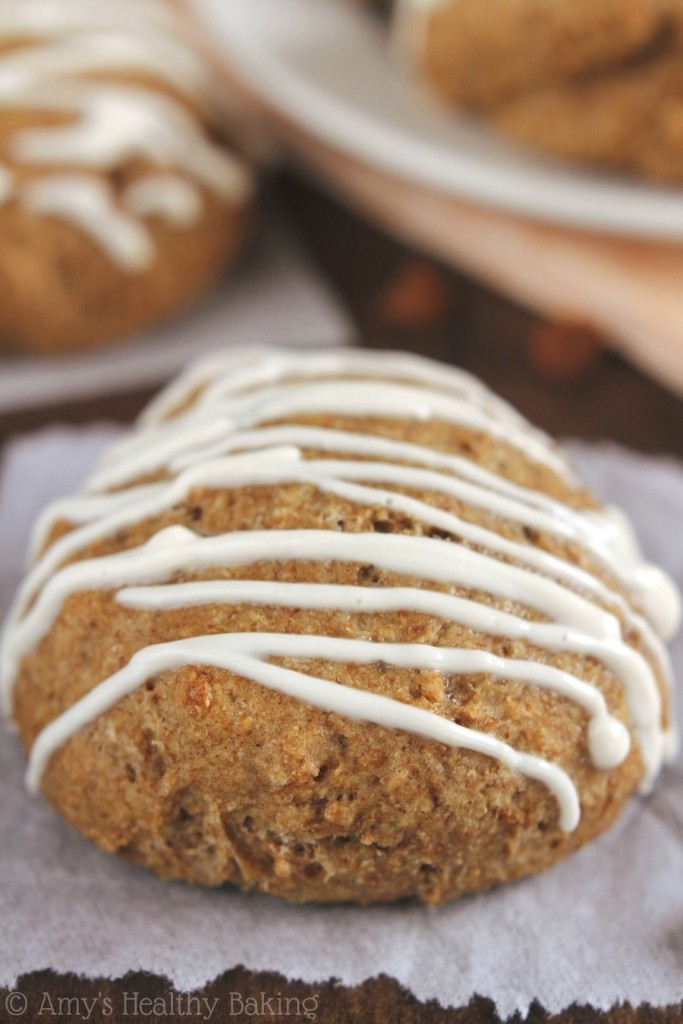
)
(338, 626)
(630, 120)
(593, 82)
(479, 55)
(118, 203)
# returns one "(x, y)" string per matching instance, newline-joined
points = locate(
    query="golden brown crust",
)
(483, 54)
(203, 775)
(59, 291)
(631, 120)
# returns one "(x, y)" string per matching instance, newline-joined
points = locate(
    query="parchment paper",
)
(603, 927)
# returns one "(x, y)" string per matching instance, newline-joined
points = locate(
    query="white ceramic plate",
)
(327, 67)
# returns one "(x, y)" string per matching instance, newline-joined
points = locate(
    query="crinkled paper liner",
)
(604, 926)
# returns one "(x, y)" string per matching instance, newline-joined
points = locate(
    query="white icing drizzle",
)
(219, 442)
(373, 398)
(608, 739)
(98, 52)
(168, 196)
(120, 123)
(582, 627)
(284, 465)
(45, 18)
(89, 203)
(221, 374)
(244, 655)
(110, 122)
(208, 429)
(270, 466)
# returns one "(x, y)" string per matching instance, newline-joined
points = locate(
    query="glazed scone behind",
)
(338, 626)
(118, 203)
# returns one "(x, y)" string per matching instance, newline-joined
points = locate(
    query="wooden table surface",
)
(561, 377)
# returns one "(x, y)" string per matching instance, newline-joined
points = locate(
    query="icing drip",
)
(89, 203)
(223, 440)
(581, 627)
(244, 655)
(109, 122)
(120, 123)
(166, 196)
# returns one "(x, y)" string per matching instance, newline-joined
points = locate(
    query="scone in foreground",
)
(118, 206)
(338, 626)
(598, 81)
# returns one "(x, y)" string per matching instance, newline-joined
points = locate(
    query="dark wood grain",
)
(236, 994)
(484, 333)
(398, 299)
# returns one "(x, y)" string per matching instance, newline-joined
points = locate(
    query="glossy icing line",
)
(581, 626)
(110, 121)
(245, 654)
(24, 72)
(89, 203)
(214, 426)
(227, 375)
(120, 123)
(223, 439)
(285, 465)
(48, 18)
(370, 398)
(222, 374)
(164, 195)
(608, 739)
